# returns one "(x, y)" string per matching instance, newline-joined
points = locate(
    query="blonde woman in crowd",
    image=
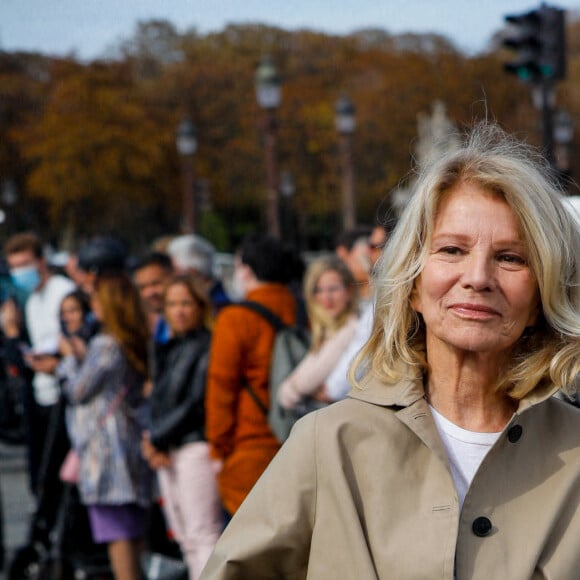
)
(331, 303)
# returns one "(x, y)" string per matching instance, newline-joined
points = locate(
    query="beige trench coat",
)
(362, 490)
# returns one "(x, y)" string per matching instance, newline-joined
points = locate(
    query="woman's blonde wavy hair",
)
(547, 353)
(321, 323)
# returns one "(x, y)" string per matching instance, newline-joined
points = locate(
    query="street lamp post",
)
(269, 94)
(563, 137)
(186, 143)
(287, 189)
(345, 125)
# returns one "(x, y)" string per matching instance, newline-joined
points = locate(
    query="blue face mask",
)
(26, 278)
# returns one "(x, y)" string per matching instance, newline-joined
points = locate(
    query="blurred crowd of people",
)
(134, 373)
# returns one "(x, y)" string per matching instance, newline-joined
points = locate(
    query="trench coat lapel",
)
(413, 411)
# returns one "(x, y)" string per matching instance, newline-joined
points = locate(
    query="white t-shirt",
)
(465, 450)
(43, 324)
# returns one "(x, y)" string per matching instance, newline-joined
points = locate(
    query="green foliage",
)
(213, 228)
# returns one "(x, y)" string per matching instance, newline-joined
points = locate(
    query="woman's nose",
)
(479, 272)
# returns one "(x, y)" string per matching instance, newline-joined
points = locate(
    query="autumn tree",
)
(96, 141)
(98, 159)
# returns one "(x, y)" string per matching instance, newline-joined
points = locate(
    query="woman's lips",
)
(479, 311)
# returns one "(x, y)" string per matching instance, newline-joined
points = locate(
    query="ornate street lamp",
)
(345, 120)
(269, 95)
(186, 143)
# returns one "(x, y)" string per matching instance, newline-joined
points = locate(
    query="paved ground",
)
(16, 500)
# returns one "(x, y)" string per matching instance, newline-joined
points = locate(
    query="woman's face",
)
(71, 314)
(182, 311)
(476, 291)
(331, 294)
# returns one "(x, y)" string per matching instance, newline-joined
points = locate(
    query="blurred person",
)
(30, 272)
(377, 240)
(193, 254)
(74, 310)
(242, 443)
(175, 445)
(331, 302)
(337, 383)
(71, 269)
(352, 247)
(150, 274)
(100, 255)
(45, 533)
(15, 377)
(104, 386)
(451, 458)
(77, 317)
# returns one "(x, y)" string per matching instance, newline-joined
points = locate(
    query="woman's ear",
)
(415, 297)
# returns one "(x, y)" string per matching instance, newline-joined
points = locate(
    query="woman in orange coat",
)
(242, 443)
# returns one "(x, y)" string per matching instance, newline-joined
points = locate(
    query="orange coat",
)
(236, 428)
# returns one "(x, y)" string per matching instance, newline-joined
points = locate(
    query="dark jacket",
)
(177, 400)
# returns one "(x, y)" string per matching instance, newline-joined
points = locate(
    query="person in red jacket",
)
(242, 443)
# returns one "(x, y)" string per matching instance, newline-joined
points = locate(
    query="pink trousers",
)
(191, 503)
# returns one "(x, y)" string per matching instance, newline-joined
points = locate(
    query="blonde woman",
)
(451, 458)
(331, 304)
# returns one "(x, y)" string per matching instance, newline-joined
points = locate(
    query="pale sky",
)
(89, 27)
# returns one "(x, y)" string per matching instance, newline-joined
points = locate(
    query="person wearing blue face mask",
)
(30, 273)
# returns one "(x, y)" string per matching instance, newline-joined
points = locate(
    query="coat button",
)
(481, 526)
(515, 433)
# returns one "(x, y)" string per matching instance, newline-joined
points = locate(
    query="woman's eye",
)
(512, 259)
(451, 250)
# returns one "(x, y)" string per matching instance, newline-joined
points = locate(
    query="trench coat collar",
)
(408, 391)
(400, 394)
(408, 398)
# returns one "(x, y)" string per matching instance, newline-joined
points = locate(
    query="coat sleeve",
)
(316, 367)
(270, 535)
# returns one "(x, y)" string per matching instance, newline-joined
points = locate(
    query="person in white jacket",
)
(331, 302)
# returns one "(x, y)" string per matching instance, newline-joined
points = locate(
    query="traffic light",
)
(538, 38)
(553, 37)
